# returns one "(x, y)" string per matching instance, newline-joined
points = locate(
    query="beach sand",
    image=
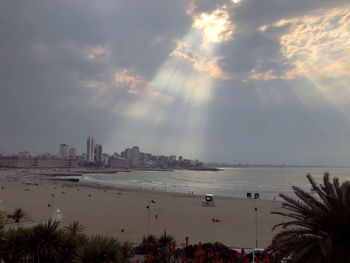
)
(110, 211)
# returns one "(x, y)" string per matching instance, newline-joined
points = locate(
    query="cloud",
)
(97, 52)
(319, 44)
(316, 44)
(262, 75)
(209, 28)
(133, 81)
(100, 86)
(215, 26)
(200, 60)
(162, 97)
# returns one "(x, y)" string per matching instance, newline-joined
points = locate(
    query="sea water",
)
(269, 182)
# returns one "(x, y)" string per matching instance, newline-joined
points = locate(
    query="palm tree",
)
(41, 243)
(75, 228)
(18, 214)
(11, 244)
(74, 233)
(319, 227)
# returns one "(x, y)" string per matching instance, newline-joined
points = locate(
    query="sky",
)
(237, 81)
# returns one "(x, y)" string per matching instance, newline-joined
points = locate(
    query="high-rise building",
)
(98, 153)
(63, 150)
(135, 152)
(71, 153)
(90, 147)
(128, 153)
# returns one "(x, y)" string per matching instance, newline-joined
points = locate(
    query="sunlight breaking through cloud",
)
(133, 80)
(215, 27)
(179, 91)
(317, 44)
(200, 62)
(316, 48)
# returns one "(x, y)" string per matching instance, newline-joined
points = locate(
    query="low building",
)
(105, 158)
(25, 154)
(115, 162)
(39, 162)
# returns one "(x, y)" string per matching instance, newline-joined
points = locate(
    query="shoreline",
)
(267, 195)
(108, 210)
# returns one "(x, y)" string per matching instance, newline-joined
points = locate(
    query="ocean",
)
(269, 182)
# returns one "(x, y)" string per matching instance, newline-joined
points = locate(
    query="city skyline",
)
(82, 152)
(240, 81)
(94, 157)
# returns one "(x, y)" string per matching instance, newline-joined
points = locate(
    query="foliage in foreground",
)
(42, 243)
(319, 226)
(160, 249)
(47, 243)
(163, 249)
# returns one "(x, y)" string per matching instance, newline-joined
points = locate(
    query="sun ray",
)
(315, 48)
(187, 77)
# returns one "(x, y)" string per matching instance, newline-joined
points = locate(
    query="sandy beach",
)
(122, 213)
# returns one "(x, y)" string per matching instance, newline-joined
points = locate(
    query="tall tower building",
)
(128, 153)
(135, 152)
(71, 153)
(63, 150)
(90, 147)
(98, 153)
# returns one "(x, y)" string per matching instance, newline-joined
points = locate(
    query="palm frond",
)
(318, 230)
